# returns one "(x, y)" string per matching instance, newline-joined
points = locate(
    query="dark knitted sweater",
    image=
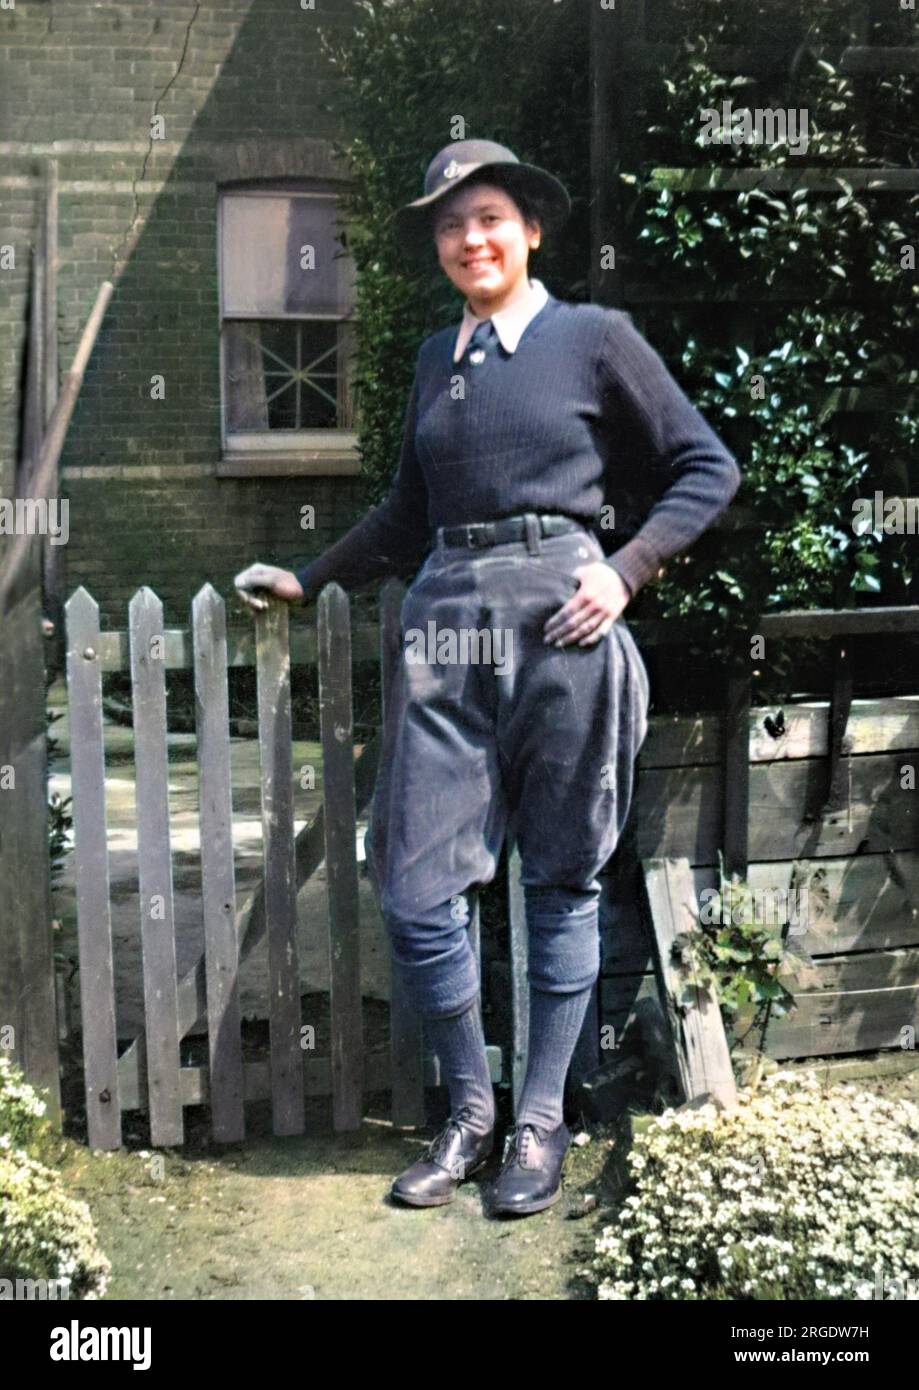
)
(584, 414)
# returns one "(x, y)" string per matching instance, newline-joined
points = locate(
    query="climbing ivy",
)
(767, 386)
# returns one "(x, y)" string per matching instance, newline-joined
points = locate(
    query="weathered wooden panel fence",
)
(819, 800)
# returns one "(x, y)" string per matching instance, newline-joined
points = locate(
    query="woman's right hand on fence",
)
(254, 583)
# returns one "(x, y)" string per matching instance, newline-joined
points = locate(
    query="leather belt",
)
(510, 528)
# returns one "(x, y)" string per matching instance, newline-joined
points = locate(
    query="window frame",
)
(329, 452)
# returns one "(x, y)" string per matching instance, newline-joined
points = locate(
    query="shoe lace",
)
(441, 1141)
(517, 1145)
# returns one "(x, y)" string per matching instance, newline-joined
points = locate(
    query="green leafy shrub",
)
(770, 376)
(738, 954)
(795, 1193)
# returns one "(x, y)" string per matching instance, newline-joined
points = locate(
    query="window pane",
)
(286, 375)
(281, 256)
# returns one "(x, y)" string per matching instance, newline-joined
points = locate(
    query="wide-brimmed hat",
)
(456, 163)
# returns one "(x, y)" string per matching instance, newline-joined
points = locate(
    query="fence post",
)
(337, 734)
(154, 858)
(218, 884)
(28, 1014)
(405, 1027)
(91, 870)
(735, 774)
(276, 759)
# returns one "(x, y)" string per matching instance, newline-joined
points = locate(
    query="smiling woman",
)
(522, 419)
(483, 243)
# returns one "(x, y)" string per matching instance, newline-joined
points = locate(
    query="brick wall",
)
(242, 87)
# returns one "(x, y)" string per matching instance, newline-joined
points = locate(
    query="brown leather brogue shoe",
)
(531, 1169)
(452, 1156)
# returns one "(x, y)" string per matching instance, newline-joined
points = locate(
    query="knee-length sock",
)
(555, 1026)
(459, 1041)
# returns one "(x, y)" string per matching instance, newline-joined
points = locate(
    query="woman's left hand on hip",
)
(589, 614)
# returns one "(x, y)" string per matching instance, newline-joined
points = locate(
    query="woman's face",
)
(483, 243)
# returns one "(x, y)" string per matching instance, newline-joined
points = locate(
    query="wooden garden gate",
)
(149, 1074)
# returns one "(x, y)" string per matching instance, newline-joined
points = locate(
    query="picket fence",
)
(148, 1074)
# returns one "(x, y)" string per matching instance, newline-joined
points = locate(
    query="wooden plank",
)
(874, 726)
(406, 1030)
(876, 60)
(824, 1024)
(45, 473)
(848, 1021)
(838, 766)
(33, 405)
(735, 773)
(520, 990)
(91, 873)
(587, 1056)
(28, 1009)
(50, 356)
(55, 556)
(276, 763)
(218, 886)
(337, 735)
(704, 1063)
(625, 943)
(865, 904)
(157, 923)
(861, 904)
(783, 179)
(825, 623)
(821, 623)
(610, 86)
(240, 647)
(474, 931)
(28, 1006)
(865, 970)
(679, 812)
(317, 1077)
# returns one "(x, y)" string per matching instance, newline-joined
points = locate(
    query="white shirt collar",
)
(509, 323)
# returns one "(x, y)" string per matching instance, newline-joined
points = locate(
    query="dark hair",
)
(530, 206)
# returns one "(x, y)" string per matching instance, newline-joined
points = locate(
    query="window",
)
(287, 335)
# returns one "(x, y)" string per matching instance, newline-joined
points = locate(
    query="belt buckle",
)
(470, 536)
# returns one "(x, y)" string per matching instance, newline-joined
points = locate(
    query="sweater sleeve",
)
(392, 538)
(655, 428)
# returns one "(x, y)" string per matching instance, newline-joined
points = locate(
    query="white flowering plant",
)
(22, 1111)
(797, 1192)
(44, 1233)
